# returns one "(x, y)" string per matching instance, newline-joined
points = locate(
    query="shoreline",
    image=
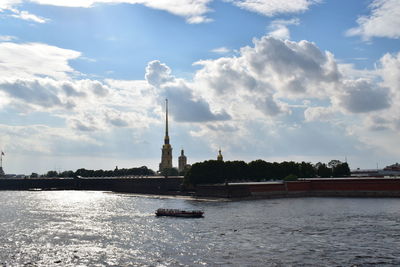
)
(358, 194)
(172, 188)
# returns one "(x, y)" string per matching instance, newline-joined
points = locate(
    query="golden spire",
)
(166, 138)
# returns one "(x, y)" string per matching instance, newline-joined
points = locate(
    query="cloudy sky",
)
(83, 82)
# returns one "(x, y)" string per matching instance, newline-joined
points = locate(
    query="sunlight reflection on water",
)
(72, 228)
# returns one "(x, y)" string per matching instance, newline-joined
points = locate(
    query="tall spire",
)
(166, 151)
(166, 138)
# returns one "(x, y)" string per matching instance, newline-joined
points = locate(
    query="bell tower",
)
(182, 161)
(1, 164)
(166, 150)
(220, 157)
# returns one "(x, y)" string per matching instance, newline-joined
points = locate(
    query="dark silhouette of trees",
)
(141, 171)
(336, 169)
(290, 177)
(66, 174)
(207, 172)
(260, 169)
(51, 174)
(212, 171)
(169, 172)
(307, 170)
(323, 171)
(341, 170)
(236, 170)
(333, 163)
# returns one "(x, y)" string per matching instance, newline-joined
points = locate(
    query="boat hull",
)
(179, 213)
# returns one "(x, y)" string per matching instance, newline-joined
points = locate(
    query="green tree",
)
(261, 170)
(52, 174)
(290, 177)
(235, 170)
(341, 170)
(333, 163)
(288, 168)
(207, 172)
(66, 174)
(169, 172)
(307, 170)
(323, 171)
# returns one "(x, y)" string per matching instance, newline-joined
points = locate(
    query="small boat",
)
(180, 213)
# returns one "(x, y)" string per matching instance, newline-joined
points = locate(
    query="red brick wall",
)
(331, 185)
(299, 186)
(266, 187)
(357, 185)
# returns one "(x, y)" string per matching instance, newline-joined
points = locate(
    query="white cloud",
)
(389, 69)
(241, 100)
(25, 15)
(194, 11)
(6, 38)
(32, 92)
(359, 96)
(40, 139)
(384, 21)
(273, 7)
(349, 71)
(279, 30)
(35, 59)
(103, 118)
(8, 4)
(158, 73)
(185, 106)
(221, 50)
(262, 76)
(319, 114)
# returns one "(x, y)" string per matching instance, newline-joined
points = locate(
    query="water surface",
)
(70, 228)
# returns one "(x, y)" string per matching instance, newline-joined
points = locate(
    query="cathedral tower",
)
(220, 157)
(182, 162)
(166, 151)
(1, 164)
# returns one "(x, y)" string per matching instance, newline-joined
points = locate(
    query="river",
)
(88, 228)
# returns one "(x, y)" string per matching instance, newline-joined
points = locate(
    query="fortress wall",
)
(356, 185)
(132, 185)
(299, 186)
(346, 187)
(266, 187)
(46, 184)
(349, 187)
(226, 191)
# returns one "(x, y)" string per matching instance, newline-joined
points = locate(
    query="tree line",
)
(214, 171)
(139, 171)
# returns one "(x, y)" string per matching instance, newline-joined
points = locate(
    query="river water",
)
(84, 228)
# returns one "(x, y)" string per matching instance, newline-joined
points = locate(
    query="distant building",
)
(182, 162)
(220, 157)
(2, 174)
(388, 171)
(166, 151)
(394, 167)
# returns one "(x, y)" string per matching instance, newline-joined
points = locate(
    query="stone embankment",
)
(145, 185)
(335, 187)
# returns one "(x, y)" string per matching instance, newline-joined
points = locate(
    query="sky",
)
(83, 82)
